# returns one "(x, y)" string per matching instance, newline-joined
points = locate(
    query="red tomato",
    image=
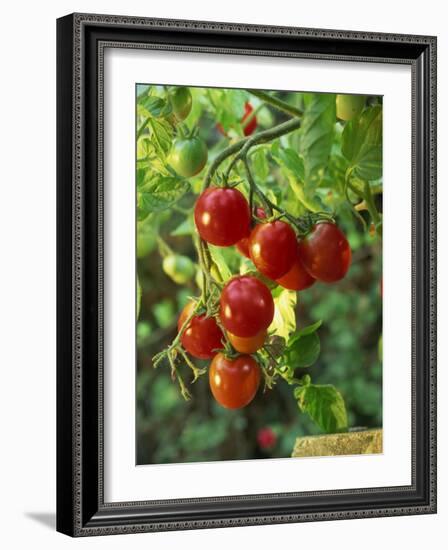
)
(220, 129)
(243, 244)
(248, 345)
(222, 216)
(234, 382)
(266, 438)
(249, 128)
(202, 335)
(297, 278)
(325, 252)
(252, 124)
(247, 306)
(273, 248)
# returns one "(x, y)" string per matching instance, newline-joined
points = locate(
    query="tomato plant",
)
(244, 223)
(222, 216)
(234, 382)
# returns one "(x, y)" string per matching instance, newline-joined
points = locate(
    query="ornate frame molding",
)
(81, 42)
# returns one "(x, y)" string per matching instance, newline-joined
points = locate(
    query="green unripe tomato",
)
(348, 106)
(181, 102)
(146, 239)
(188, 156)
(179, 268)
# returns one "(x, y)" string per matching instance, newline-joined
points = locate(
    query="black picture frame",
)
(81, 510)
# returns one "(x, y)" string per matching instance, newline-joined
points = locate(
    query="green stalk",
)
(243, 145)
(277, 103)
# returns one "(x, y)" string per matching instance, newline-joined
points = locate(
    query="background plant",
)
(320, 165)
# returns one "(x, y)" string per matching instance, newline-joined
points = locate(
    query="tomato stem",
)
(277, 103)
(243, 145)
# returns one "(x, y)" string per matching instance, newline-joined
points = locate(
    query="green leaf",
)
(227, 106)
(324, 404)
(362, 143)
(161, 136)
(316, 135)
(310, 329)
(219, 260)
(185, 228)
(293, 167)
(260, 164)
(141, 174)
(145, 148)
(161, 193)
(289, 160)
(156, 106)
(302, 350)
(284, 322)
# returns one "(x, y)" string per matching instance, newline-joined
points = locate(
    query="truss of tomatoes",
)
(223, 218)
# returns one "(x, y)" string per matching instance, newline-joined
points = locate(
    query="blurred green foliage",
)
(304, 171)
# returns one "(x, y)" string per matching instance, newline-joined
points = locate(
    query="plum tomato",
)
(246, 306)
(202, 336)
(248, 345)
(273, 248)
(234, 382)
(297, 278)
(222, 216)
(325, 252)
(243, 244)
(251, 126)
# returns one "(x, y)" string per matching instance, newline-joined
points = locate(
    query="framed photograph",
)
(246, 274)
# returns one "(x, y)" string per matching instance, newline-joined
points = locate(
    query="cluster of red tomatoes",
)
(223, 218)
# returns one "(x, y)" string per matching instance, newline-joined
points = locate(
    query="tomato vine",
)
(283, 245)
